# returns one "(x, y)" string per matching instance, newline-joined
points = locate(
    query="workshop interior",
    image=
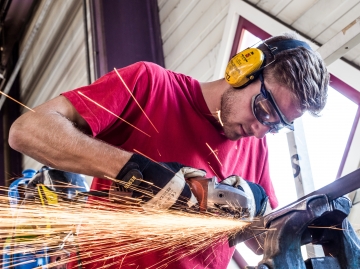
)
(51, 46)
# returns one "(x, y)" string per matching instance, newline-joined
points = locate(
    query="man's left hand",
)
(259, 200)
(159, 185)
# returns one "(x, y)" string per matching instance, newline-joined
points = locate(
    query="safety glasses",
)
(267, 112)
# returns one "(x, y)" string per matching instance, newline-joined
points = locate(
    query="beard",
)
(228, 104)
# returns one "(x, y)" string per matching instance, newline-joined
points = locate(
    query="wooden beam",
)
(341, 43)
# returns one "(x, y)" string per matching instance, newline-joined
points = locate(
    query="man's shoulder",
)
(253, 143)
(153, 67)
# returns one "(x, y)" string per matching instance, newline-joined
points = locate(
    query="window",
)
(328, 137)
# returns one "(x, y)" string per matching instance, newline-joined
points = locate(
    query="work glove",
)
(259, 201)
(158, 185)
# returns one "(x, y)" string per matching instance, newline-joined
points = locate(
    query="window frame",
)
(241, 16)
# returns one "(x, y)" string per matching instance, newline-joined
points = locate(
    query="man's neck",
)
(212, 92)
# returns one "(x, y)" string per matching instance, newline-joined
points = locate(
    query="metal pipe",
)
(239, 260)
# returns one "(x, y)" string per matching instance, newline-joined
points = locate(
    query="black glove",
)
(259, 200)
(158, 185)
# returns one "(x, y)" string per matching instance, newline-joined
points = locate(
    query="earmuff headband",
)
(286, 44)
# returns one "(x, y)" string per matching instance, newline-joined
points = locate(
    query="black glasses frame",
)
(274, 127)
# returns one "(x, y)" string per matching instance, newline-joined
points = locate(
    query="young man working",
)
(182, 121)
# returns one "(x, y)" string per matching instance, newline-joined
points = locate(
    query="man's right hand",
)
(158, 185)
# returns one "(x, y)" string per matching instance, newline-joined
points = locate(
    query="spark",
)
(326, 227)
(106, 232)
(159, 153)
(214, 171)
(96, 103)
(16, 101)
(135, 100)
(218, 113)
(135, 150)
(213, 152)
(161, 164)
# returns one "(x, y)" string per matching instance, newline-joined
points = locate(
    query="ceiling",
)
(318, 20)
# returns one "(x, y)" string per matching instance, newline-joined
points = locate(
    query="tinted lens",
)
(266, 114)
(264, 111)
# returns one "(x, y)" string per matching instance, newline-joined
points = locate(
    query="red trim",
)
(238, 34)
(345, 89)
(348, 144)
(244, 24)
(239, 260)
(252, 28)
(335, 82)
(349, 92)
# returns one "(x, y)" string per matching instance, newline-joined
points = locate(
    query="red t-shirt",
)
(175, 105)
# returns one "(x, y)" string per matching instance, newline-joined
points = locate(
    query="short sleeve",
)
(102, 102)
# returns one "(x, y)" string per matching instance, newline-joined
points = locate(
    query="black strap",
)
(286, 44)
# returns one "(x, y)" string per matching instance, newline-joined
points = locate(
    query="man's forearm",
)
(52, 139)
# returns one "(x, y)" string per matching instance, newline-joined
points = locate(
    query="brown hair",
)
(301, 70)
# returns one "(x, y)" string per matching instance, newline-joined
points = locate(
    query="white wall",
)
(56, 61)
(192, 31)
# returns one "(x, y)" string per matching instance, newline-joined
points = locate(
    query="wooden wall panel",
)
(191, 19)
(57, 60)
(177, 17)
(191, 34)
(201, 48)
(312, 24)
(317, 20)
(165, 7)
(293, 10)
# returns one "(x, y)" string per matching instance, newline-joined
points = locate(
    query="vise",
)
(318, 219)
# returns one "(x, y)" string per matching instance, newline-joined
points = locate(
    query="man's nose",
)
(260, 130)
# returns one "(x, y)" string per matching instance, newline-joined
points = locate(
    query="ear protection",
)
(246, 66)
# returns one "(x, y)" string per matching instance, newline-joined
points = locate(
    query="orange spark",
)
(144, 155)
(16, 101)
(214, 153)
(218, 113)
(326, 227)
(153, 160)
(112, 113)
(135, 100)
(93, 229)
(214, 171)
(159, 152)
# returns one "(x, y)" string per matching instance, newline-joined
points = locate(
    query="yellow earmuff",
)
(240, 68)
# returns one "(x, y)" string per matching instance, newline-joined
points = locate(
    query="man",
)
(213, 126)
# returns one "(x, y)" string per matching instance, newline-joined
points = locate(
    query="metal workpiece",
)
(314, 220)
(332, 191)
